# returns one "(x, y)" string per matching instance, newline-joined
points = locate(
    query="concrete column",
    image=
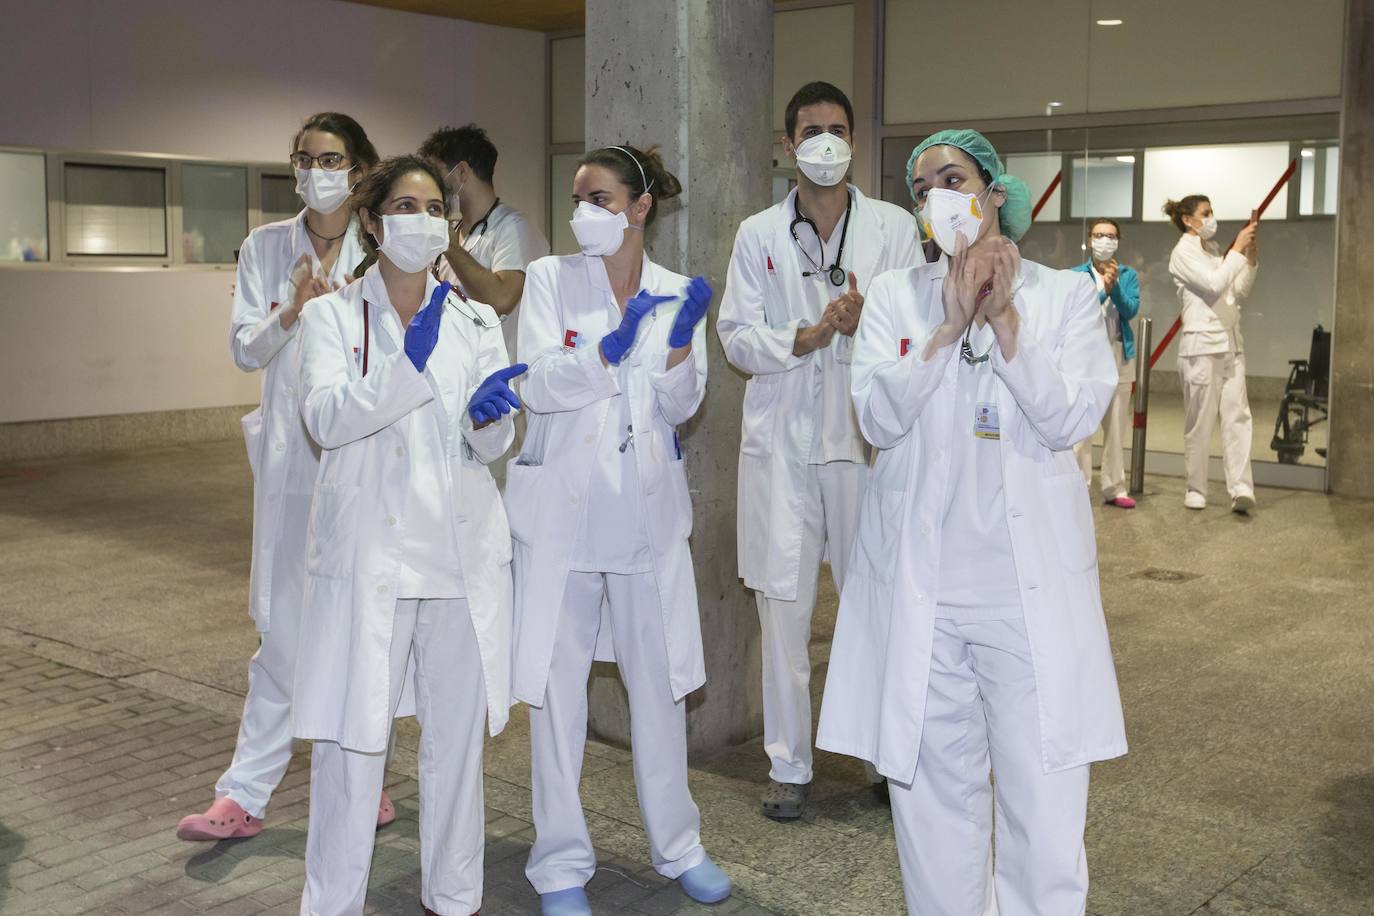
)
(695, 78)
(1352, 356)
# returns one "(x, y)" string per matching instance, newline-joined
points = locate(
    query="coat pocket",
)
(333, 531)
(252, 438)
(1071, 521)
(880, 529)
(522, 499)
(756, 425)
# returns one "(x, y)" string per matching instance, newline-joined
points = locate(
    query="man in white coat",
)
(493, 243)
(792, 302)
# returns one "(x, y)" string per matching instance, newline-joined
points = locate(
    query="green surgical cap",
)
(1015, 215)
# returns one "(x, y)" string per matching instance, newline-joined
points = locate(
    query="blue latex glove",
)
(494, 397)
(423, 333)
(616, 344)
(695, 301)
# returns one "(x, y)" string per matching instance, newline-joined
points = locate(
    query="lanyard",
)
(835, 272)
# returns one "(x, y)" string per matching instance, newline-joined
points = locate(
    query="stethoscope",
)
(480, 227)
(835, 272)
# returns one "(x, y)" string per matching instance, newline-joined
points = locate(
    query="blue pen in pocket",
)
(677, 446)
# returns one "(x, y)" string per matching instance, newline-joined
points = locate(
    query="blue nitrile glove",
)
(423, 333)
(696, 299)
(616, 344)
(494, 398)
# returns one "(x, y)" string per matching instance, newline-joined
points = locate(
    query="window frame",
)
(1294, 189)
(54, 174)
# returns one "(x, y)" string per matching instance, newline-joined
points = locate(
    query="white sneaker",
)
(1194, 500)
(1242, 504)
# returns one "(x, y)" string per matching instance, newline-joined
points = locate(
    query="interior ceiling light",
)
(1109, 22)
(1308, 153)
(1125, 159)
(1056, 104)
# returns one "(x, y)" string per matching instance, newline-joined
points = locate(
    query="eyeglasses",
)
(1105, 235)
(328, 161)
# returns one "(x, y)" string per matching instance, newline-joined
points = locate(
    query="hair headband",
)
(644, 179)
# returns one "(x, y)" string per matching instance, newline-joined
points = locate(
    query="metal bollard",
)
(1142, 407)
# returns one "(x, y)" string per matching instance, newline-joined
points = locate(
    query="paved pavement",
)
(1243, 650)
(94, 774)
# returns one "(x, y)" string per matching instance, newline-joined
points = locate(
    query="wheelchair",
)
(1304, 402)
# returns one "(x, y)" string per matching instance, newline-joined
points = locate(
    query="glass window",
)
(562, 168)
(214, 212)
(1235, 177)
(1037, 170)
(1103, 185)
(23, 207)
(279, 198)
(1320, 172)
(115, 210)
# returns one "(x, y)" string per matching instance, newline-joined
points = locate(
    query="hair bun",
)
(666, 186)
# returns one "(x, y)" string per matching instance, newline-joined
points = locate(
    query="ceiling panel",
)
(542, 15)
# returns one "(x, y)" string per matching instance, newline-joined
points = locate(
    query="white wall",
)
(229, 81)
(997, 59)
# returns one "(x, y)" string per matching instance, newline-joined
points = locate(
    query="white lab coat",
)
(567, 392)
(1210, 288)
(280, 452)
(354, 561)
(763, 306)
(1051, 395)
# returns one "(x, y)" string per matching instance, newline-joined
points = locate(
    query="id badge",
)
(985, 425)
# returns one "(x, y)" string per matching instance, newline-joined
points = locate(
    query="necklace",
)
(324, 238)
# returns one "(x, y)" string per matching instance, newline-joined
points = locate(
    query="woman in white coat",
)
(1211, 350)
(600, 513)
(970, 633)
(404, 386)
(280, 267)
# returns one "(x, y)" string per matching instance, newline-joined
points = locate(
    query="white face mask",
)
(1208, 228)
(323, 191)
(599, 232)
(412, 241)
(1103, 249)
(455, 196)
(948, 213)
(824, 159)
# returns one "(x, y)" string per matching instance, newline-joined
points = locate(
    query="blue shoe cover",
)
(705, 883)
(569, 902)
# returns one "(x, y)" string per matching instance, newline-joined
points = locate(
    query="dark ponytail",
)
(1177, 209)
(625, 162)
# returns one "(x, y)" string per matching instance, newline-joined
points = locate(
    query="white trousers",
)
(264, 746)
(562, 855)
(1215, 384)
(982, 710)
(1119, 418)
(830, 515)
(451, 705)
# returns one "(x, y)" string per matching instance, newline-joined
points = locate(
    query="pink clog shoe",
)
(1122, 502)
(386, 811)
(225, 820)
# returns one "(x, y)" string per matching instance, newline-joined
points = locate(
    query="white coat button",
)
(590, 439)
(381, 589)
(925, 529)
(939, 454)
(572, 500)
(920, 597)
(391, 520)
(281, 446)
(400, 451)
